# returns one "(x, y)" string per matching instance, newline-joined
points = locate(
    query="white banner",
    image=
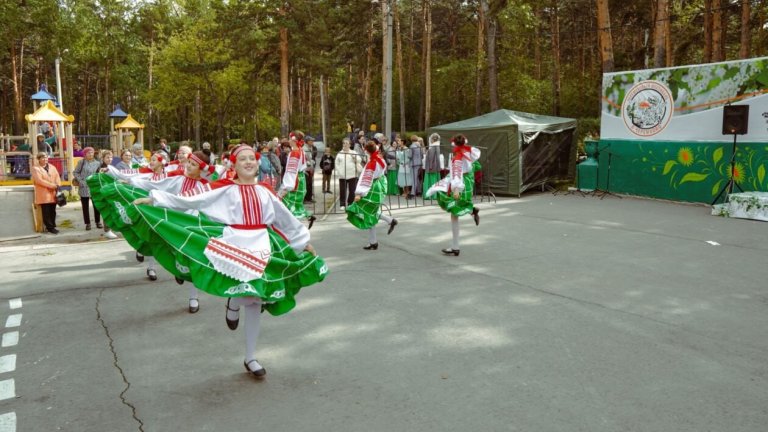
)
(684, 103)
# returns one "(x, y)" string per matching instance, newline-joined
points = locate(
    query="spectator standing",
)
(86, 168)
(46, 181)
(404, 168)
(360, 147)
(417, 158)
(77, 151)
(106, 161)
(389, 153)
(348, 166)
(434, 163)
(138, 160)
(327, 165)
(310, 153)
(207, 151)
(125, 160)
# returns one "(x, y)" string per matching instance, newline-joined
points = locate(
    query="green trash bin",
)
(587, 169)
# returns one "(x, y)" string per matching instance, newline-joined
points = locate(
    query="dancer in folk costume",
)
(371, 190)
(176, 167)
(246, 246)
(197, 163)
(454, 192)
(294, 185)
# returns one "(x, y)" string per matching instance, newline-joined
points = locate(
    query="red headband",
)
(199, 161)
(236, 151)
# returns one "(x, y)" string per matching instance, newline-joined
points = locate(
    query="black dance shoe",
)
(232, 324)
(139, 257)
(259, 373)
(194, 309)
(312, 220)
(392, 226)
(372, 246)
(476, 215)
(179, 280)
(451, 251)
(152, 274)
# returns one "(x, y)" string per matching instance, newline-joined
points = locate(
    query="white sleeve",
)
(475, 154)
(366, 180)
(291, 228)
(442, 162)
(121, 174)
(291, 172)
(457, 176)
(168, 184)
(206, 202)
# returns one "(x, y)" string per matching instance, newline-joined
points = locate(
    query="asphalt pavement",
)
(562, 313)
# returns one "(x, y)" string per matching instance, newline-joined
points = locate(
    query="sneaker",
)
(99, 225)
(110, 235)
(53, 231)
(87, 227)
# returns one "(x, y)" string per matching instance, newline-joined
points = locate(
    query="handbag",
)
(61, 199)
(78, 170)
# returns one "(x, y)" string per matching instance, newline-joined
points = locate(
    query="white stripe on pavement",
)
(10, 339)
(13, 320)
(8, 422)
(8, 363)
(15, 303)
(7, 389)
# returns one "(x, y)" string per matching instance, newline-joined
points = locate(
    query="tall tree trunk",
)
(285, 125)
(746, 37)
(668, 34)
(605, 40)
(537, 13)
(555, 59)
(384, 6)
(717, 31)
(150, 122)
(707, 53)
(17, 73)
(724, 29)
(426, 68)
(480, 61)
(493, 86)
(400, 69)
(660, 35)
(367, 80)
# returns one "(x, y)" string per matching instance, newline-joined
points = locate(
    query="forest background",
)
(221, 70)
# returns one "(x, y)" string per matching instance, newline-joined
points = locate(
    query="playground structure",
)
(122, 136)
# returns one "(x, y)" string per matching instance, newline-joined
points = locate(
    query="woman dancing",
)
(245, 246)
(294, 185)
(454, 192)
(371, 189)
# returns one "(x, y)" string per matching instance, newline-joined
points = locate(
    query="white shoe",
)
(110, 235)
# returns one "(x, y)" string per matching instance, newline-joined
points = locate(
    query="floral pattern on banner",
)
(699, 163)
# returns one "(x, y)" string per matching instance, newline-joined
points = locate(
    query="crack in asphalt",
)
(115, 362)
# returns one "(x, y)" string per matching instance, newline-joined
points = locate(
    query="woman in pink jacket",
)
(46, 179)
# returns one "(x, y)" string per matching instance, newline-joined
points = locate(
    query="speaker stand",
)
(602, 193)
(728, 188)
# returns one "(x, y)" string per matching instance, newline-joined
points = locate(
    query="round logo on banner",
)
(647, 108)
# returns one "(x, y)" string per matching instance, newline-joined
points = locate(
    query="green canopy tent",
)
(520, 150)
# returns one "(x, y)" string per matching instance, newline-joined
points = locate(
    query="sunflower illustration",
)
(685, 156)
(738, 172)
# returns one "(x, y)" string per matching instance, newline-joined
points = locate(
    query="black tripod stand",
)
(735, 122)
(602, 193)
(732, 181)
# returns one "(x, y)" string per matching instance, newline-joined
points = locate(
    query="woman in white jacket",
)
(348, 168)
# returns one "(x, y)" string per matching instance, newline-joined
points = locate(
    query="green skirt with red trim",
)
(177, 241)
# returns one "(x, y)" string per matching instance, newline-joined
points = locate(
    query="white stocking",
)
(372, 235)
(385, 218)
(150, 262)
(252, 321)
(455, 231)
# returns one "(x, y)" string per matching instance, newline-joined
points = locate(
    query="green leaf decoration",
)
(668, 166)
(717, 155)
(761, 174)
(693, 177)
(716, 187)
